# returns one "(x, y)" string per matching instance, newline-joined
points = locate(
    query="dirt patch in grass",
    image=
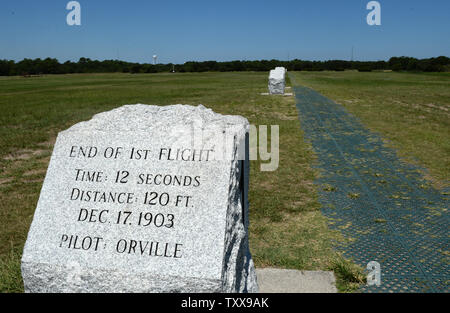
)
(431, 105)
(49, 143)
(5, 180)
(285, 117)
(40, 171)
(23, 154)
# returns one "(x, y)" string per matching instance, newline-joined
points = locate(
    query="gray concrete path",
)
(273, 280)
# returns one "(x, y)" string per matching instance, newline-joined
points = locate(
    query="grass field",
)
(287, 228)
(411, 111)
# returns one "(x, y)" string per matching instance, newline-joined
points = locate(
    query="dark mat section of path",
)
(384, 207)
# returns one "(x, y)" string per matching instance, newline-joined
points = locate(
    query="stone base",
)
(286, 94)
(46, 278)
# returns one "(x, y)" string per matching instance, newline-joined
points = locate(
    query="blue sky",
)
(179, 31)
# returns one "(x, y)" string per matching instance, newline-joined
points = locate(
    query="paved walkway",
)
(389, 213)
(274, 280)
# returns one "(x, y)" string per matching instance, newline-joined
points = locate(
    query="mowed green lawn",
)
(411, 111)
(287, 228)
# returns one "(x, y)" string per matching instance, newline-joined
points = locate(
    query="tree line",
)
(85, 65)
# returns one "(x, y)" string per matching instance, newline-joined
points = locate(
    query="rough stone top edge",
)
(141, 117)
(277, 73)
